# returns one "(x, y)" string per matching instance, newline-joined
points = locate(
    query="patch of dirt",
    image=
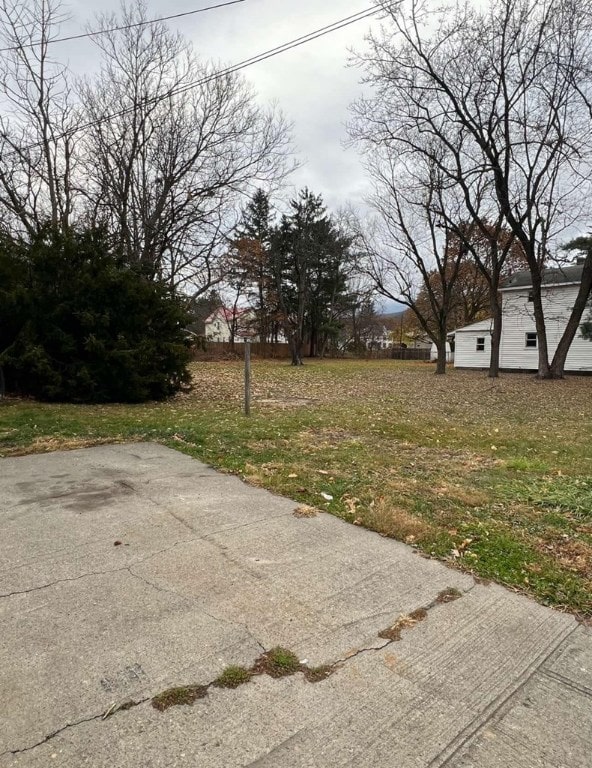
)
(393, 632)
(448, 595)
(574, 555)
(318, 674)
(305, 511)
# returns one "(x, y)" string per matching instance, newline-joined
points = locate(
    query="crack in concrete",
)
(443, 597)
(112, 710)
(144, 559)
(52, 735)
(61, 581)
(196, 601)
(99, 573)
(131, 704)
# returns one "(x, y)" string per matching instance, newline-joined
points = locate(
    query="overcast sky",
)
(312, 83)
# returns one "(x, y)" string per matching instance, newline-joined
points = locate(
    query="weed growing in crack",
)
(183, 695)
(278, 662)
(232, 677)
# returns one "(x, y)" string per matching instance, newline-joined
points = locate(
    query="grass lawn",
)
(493, 477)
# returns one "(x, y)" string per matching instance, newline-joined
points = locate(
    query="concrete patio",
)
(126, 570)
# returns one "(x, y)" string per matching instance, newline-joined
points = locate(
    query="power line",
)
(123, 27)
(283, 48)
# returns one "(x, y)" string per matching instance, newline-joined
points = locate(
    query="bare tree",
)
(415, 260)
(495, 253)
(495, 97)
(37, 150)
(171, 147)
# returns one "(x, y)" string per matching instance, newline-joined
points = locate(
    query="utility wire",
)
(122, 28)
(283, 48)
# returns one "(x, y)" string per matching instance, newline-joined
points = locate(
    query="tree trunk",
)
(441, 360)
(560, 356)
(313, 342)
(295, 343)
(544, 370)
(496, 333)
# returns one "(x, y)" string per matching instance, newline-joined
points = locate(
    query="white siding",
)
(465, 349)
(518, 320)
(434, 353)
(217, 328)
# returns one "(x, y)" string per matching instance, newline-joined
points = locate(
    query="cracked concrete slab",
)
(209, 572)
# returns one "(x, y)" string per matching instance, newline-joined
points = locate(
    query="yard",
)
(493, 477)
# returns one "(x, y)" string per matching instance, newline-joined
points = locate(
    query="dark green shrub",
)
(79, 325)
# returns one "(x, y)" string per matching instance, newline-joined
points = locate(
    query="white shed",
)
(472, 345)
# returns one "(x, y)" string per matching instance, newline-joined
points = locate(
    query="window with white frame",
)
(480, 346)
(531, 340)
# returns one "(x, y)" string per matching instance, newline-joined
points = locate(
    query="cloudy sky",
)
(312, 84)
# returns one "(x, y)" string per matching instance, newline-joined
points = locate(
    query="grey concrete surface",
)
(211, 572)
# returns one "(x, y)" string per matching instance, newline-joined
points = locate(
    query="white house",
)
(221, 323)
(519, 342)
(379, 338)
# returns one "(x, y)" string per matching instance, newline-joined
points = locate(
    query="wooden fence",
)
(398, 353)
(222, 350)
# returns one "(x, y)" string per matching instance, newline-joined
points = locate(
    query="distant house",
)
(415, 340)
(519, 342)
(379, 338)
(225, 325)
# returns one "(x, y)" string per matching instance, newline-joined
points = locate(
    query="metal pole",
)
(247, 378)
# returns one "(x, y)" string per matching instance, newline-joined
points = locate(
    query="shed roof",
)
(551, 276)
(482, 325)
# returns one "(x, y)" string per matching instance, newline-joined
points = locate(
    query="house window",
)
(531, 340)
(480, 344)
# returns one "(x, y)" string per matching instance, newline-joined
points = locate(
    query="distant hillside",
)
(384, 316)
